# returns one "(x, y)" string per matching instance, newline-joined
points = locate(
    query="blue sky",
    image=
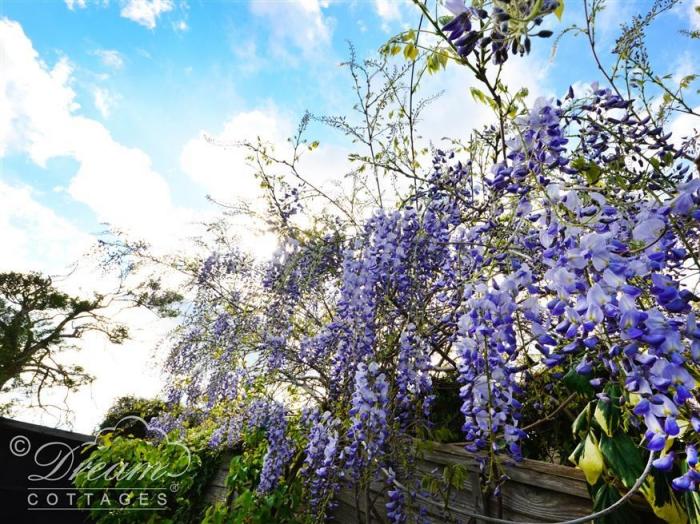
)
(158, 72)
(103, 104)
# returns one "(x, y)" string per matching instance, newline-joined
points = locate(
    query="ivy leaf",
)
(607, 415)
(604, 497)
(581, 425)
(578, 383)
(590, 459)
(692, 503)
(622, 457)
(657, 491)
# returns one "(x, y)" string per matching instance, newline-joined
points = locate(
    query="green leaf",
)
(657, 491)
(410, 52)
(692, 504)
(590, 459)
(433, 64)
(576, 454)
(409, 36)
(522, 93)
(686, 80)
(622, 457)
(581, 425)
(578, 383)
(593, 174)
(604, 497)
(607, 415)
(478, 96)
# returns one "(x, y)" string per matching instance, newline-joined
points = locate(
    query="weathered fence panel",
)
(535, 492)
(216, 489)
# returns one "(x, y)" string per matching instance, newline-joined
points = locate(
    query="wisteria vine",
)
(568, 245)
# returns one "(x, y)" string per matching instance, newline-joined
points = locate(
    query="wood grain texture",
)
(535, 492)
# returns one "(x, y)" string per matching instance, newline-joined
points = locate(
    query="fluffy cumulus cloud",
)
(34, 237)
(39, 117)
(219, 164)
(104, 100)
(301, 22)
(145, 12)
(388, 9)
(455, 114)
(40, 120)
(392, 11)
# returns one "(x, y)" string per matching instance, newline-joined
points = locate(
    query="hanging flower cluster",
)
(507, 28)
(368, 424)
(413, 381)
(568, 244)
(488, 350)
(270, 416)
(321, 456)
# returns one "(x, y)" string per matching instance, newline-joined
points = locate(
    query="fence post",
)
(479, 500)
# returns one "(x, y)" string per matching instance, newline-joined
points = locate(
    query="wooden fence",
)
(216, 489)
(535, 492)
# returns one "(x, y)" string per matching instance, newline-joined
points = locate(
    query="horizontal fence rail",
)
(535, 492)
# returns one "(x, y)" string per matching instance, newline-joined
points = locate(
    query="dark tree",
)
(37, 322)
(132, 406)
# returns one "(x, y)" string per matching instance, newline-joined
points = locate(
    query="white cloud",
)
(38, 117)
(220, 166)
(300, 22)
(685, 126)
(694, 15)
(34, 237)
(609, 21)
(104, 100)
(110, 58)
(388, 10)
(455, 114)
(145, 12)
(72, 4)
(391, 12)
